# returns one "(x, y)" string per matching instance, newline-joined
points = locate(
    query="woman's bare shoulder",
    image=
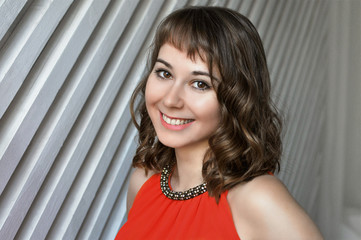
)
(137, 179)
(264, 209)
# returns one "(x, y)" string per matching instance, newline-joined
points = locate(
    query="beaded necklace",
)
(185, 195)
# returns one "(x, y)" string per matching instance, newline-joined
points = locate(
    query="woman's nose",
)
(173, 98)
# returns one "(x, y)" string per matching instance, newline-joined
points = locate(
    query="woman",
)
(209, 137)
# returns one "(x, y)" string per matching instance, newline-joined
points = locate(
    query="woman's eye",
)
(200, 85)
(163, 74)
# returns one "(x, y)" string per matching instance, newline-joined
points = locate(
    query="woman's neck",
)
(188, 169)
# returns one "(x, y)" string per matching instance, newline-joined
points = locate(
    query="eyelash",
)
(160, 72)
(206, 86)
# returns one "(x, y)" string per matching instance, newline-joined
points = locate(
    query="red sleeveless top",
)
(154, 216)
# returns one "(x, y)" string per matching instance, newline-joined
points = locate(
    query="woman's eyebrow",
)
(167, 64)
(196, 73)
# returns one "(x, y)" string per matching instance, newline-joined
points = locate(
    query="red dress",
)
(154, 216)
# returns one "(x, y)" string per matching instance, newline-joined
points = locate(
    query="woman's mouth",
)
(175, 123)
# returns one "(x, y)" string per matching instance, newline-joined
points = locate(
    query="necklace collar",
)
(185, 195)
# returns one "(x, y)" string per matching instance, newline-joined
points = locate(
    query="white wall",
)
(352, 182)
(352, 178)
(340, 208)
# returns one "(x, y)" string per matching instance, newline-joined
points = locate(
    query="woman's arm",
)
(264, 209)
(137, 179)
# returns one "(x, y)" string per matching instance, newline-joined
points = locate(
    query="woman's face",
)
(181, 100)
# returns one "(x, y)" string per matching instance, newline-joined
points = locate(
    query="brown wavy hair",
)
(247, 142)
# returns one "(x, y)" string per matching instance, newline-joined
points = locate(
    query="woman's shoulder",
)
(259, 188)
(264, 209)
(138, 177)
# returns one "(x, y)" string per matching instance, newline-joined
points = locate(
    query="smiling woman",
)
(209, 137)
(175, 93)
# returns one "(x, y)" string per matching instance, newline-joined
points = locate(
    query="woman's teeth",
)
(175, 121)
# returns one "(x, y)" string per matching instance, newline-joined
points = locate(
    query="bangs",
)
(189, 31)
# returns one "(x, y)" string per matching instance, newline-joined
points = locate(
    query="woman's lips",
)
(175, 123)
